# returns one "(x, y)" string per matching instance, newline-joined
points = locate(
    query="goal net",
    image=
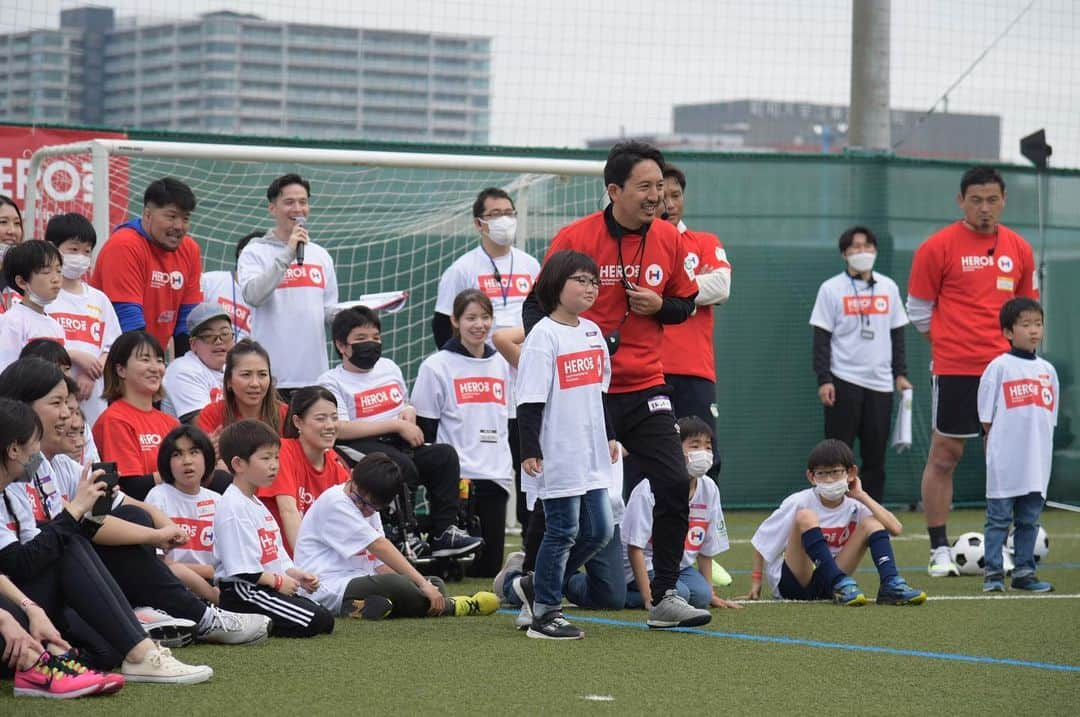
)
(392, 221)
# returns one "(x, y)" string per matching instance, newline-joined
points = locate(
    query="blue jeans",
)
(1024, 511)
(577, 528)
(691, 587)
(601, 586)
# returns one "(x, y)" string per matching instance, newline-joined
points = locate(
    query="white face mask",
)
(39, 300)
(4, 246)
(863, 261)
(75, 265)
(698, 462)
(832, 491)
(501, 230)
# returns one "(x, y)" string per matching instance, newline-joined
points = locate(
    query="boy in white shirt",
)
(374, 415)
(33, 270)
(195, 380)
(1018, 408)
(705, 538)
(808, 548)
(253, 571)
(85, 313)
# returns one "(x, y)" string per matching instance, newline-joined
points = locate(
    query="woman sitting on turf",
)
(361, 573)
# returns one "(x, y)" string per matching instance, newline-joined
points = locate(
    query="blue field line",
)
(953, 657)
(917, 568)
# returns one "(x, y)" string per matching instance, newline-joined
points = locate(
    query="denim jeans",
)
(601, 586)
(577, 528)
(691, 587)
(1023, 511)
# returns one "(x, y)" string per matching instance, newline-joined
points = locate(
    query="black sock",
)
(882, 553)
(938, 537)
(817, 548)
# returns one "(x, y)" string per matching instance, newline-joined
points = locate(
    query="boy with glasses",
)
(196, 379)
(811, 545)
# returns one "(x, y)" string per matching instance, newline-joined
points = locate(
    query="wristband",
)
(755, 575)
(279, 580)
(27, 602)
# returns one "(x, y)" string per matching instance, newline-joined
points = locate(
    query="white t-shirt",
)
(291, 323)
(476, 269)
(1020, 398)
(21, 517)
(468, 396)
(568, 369)
(19, 326)
(222, 288)
(90, 325)
(191, 385)
(247, 539)
(837, 524)
(707, 534)
(375, 395)
(333, 541)
(57, 480)
(860, 317)
(193, 513)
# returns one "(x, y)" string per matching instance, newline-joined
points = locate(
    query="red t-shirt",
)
(130, 437)
(661, 265)
(132, 269)
(968, 284)
(688, 347)
(298, 478)
(212, 417)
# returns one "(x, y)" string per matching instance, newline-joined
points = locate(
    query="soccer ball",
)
(968, 552)
(1042, 544)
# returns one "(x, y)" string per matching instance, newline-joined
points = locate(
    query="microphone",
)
(665, 215)
(300, 222)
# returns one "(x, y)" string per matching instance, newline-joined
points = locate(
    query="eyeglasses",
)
(499, 214)
(221, 337)
(834, 473)
(586, 280)
(362, 503)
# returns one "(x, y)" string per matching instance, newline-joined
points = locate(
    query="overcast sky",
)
(568, 70)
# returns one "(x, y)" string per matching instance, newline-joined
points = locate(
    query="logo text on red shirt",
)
(580, 368)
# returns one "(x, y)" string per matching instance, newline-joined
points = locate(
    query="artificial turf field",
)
(954, 655)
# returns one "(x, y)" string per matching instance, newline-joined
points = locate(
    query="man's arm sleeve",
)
(919, 311)
(257, 283)
(430, 427)
(129, 315)
(531, 313)
(713, 288)
(822, 355)
(441, 329)
(530, 418)
(676, 310)
(899, 352)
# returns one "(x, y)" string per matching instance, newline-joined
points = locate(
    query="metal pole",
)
(868, 116)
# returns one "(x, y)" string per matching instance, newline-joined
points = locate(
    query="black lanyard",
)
(863, 318)
(504, 290)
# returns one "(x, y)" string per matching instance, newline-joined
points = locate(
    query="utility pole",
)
(869, 125)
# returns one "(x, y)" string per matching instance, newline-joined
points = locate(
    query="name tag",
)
(1005, 283)
(867, 334)
(488, 436)
(659, 403)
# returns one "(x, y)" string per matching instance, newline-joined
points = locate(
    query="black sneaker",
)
(417, 549)
(553, 626)
(455, 541)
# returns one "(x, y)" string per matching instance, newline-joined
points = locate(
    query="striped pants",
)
(292, 615)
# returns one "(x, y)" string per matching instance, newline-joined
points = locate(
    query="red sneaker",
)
(48, 679)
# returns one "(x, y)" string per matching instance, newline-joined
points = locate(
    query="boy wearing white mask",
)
(33, 270)
(811, 545)
(706, 537)
(87, 316)
(859, 354)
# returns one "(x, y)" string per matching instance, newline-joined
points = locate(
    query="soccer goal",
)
(392, 220)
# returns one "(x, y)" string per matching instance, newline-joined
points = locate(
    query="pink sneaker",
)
(49, 679)
(71, 662)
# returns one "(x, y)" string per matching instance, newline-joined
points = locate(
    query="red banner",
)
(67, 183)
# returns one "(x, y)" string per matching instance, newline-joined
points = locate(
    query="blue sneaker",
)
(994, 584)
(847, 593)
(1031, 584)
(897, 592)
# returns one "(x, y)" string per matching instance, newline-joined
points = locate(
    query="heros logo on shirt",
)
(1028, 392)
(838, 537)
(378, 400)
(865, 305)
(515, 285)
(480, 390)
(696, 534)
(86, 329)
(171, 279)
(216, 394)
(240, 315)
(303, 276)
(149, 441)
(268, 543)
(200, 533)
(974, 262)
(581, 368)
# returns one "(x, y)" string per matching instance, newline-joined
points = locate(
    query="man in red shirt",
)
(150, 267)
(646, 281)
(960, 278)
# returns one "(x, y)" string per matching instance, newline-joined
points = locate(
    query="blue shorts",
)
(790, 589)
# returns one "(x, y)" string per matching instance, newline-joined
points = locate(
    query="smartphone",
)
(103, 505)
(626, 284)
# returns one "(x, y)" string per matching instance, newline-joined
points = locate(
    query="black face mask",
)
(365, 354)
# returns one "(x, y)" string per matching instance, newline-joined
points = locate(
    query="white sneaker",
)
(514, 561)
(160, 666)
(941, 563)
(523, 620)
(164, 628)
(236, 628)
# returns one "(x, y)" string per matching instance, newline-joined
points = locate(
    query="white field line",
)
(1040, 596)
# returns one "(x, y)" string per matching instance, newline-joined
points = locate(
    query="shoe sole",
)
(451, 552)
(375, 607)
(171, 635)
(687, 622)
(30, 692)
(257, 640)
(537, 635)
(1000, 589)
(500, 577)
(525, 601)
(856, 602)
(1029, 590)
(191, 679)
(917, 600)
(946, 572)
